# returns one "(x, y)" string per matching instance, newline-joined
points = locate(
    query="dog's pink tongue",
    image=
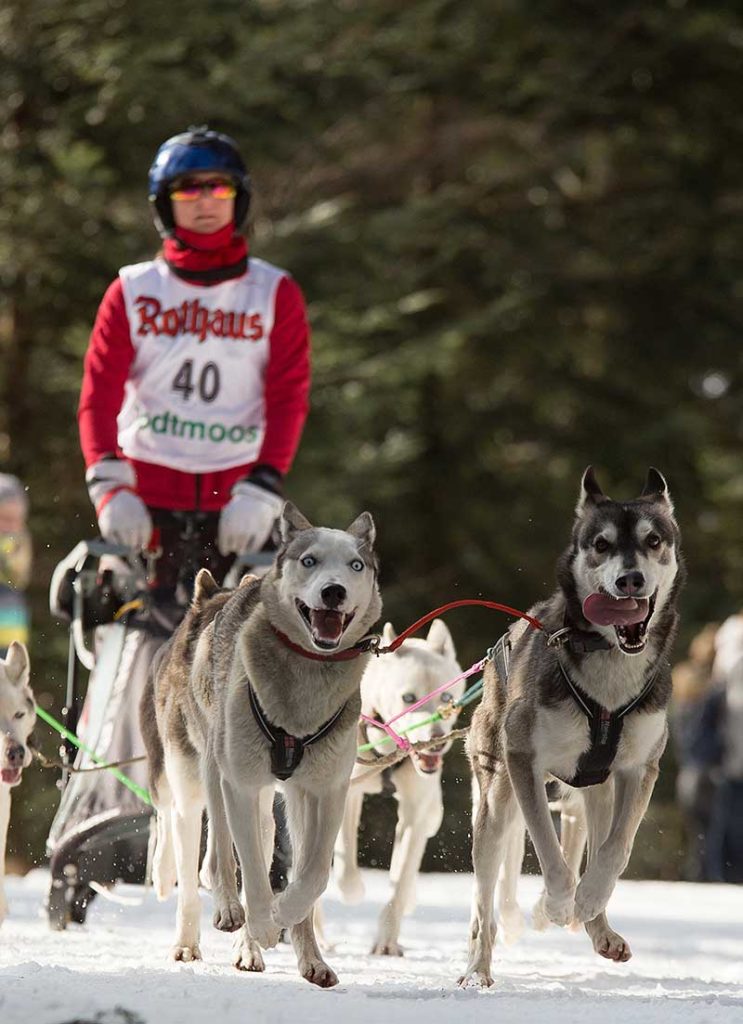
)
(10, 775)
(603, 610)
(326, 624)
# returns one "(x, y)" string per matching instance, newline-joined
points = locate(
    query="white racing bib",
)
(194, 398)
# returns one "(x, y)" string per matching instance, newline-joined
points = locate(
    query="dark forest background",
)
(519, 230)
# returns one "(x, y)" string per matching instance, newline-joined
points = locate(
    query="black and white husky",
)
(585, 703)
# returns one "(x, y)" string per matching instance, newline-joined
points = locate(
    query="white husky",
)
(390, 684)
(17, 717)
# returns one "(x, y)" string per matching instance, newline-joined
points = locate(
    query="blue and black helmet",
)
(198, 149)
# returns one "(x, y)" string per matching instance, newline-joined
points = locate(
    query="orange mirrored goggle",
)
(188, 191)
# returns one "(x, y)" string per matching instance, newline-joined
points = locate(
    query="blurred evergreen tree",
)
(518, 228)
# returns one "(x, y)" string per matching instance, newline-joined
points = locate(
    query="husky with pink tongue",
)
(583, 703)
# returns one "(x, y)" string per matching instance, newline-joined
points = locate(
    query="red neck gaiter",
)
(206, 259)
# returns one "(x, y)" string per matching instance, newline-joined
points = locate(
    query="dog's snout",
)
(333, 595)
(631, 583)
(15, 755)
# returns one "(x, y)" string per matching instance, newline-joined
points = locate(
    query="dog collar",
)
(287, 751)
(579, 641)
(363, 646)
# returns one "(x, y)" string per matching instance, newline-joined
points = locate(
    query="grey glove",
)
(247, 519)
(123, 518)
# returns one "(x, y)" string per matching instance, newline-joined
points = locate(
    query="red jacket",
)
(107, 361)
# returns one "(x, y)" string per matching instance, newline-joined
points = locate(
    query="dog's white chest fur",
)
(641, 734)
(560, 736)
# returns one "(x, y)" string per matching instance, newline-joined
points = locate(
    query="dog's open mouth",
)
(326, 625)
(429, 761)
(11, 776)
(628, 615)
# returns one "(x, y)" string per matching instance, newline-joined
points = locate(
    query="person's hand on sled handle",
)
(123, 518)
(247, 519)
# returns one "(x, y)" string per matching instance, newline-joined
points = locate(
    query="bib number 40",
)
(207, 384)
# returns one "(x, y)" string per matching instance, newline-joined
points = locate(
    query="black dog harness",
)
(287, 751)
(594, 764)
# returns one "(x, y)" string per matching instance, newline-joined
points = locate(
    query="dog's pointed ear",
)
(203, 588)
(363, 529)
(292, 522)
(590, 492)
(17, 664)
(656, 488)
(440, 639)
(388, 634)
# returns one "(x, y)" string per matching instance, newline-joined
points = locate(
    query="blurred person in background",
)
(723, 718)
(15, 562)
(196, 379)
(696, 748)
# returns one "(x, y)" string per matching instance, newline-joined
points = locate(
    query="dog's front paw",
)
(291, 906)
(511, 925)
(475, 979)
(609, 944)
(246, 954)
(539, 920)
(387, 947)
(558, 901)
(318, 973)
(351, 886)
(185, 953)
(592, 895)
(265, 931)
(229, 914)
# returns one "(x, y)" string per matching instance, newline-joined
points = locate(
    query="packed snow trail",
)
(687, 942)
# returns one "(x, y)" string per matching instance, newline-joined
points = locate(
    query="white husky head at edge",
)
(17, 713)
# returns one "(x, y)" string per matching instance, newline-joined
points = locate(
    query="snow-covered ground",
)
(687, 942)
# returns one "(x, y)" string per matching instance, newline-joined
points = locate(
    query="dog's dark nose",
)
(631, 583)
(15, 755)
(333, 595)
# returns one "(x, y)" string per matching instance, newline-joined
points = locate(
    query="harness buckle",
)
(447, 710)
(374, 643)
(559, 638)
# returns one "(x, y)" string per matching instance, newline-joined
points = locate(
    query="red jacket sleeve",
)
(287, 381)
(107, 361)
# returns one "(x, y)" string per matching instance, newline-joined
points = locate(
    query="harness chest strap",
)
(594, 764)
(287, 750)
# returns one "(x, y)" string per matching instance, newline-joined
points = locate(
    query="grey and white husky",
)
(587, 707)
(261, 684)
(391, 684)
(17, 718)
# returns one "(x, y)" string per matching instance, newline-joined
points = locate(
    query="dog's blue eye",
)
(357, 565)
(408, 698)
(446, 698)
(308, 561)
